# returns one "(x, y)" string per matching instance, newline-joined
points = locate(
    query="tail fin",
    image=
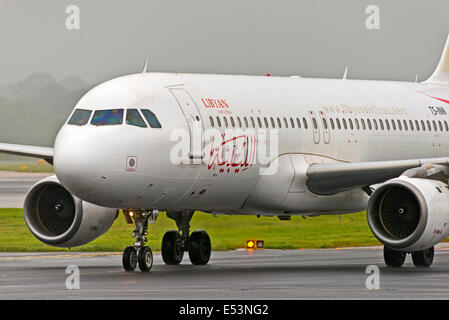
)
(441, 73)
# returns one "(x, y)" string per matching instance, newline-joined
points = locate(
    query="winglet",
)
(441, 73)
(145, 66)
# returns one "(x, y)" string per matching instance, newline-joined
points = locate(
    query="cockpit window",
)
(107, 117)
(80, 117)
(151, 118)
(133, 118)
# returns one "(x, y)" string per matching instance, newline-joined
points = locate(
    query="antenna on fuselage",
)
(345, 75)
(145, 66)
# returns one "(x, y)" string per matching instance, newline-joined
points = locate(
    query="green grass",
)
(226, 232)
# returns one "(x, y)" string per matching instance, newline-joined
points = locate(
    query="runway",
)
(263, 274)
(15, 185)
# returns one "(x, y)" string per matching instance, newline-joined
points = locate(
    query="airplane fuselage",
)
(310, 120)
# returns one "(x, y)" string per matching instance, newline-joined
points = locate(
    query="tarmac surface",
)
(262, 274)
(15, 185)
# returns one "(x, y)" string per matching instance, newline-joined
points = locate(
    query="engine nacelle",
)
(57, 218)
(409, 214)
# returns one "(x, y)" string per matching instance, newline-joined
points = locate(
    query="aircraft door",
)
(315, 127)
(325, 126)
(194, 121)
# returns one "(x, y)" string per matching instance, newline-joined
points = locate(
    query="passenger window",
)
(246, 122)
(387, 124)
(344, 124)
(381, 124)
(357, 125)
(151, 118)
(324, 124)
(446, 126)
(218, 122)
(133, 118)
(80, 117)
(423, 126)
(298, 122)
(279, 123)
(253, 124)
(239, 122)
(338, 124)
(332, 124)
(304, 120)
(272, 123)
(107, 117)
(440, 125)
(363, 124)
(266, 122)
(292, 123)
(232, 122)
(225, 120)
(259, 122)
(405, 125)
(286, 123)
(399, 125)
(350, 124)
(315, 124)
(369, 123)
(211, 122)
(410, 122)
(417, 125)
(375, 124)
(428, 125)
(434, 125)
(393, 125)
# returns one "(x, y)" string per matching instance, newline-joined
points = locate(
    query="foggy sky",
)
(308, 38)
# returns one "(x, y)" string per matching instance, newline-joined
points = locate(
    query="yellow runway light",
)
(255, 244)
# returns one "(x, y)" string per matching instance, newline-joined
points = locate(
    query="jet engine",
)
(57, 218)
(409, 214)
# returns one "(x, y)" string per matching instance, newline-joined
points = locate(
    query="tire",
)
(394, 258)
(172, 251)
(423, 259)
(129, 259)
(199, 247)
(145, 259)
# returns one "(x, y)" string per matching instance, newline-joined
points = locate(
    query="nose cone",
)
(82, 162)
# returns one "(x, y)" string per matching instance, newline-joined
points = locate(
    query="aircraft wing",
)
(330, 178)
(27, 151)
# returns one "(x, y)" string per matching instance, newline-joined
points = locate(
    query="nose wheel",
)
(139, 254)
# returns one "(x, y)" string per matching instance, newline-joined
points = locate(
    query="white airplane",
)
(186, 142)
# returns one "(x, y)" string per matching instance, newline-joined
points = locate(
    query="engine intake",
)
(409, 214)
(57, 218)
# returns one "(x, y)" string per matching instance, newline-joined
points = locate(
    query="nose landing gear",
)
(139, 254)
(174, 242)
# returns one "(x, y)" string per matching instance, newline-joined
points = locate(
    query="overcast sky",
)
(309, 38)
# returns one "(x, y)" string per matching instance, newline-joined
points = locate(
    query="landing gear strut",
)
(396, 259)
(139, 254)
(175, 242)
